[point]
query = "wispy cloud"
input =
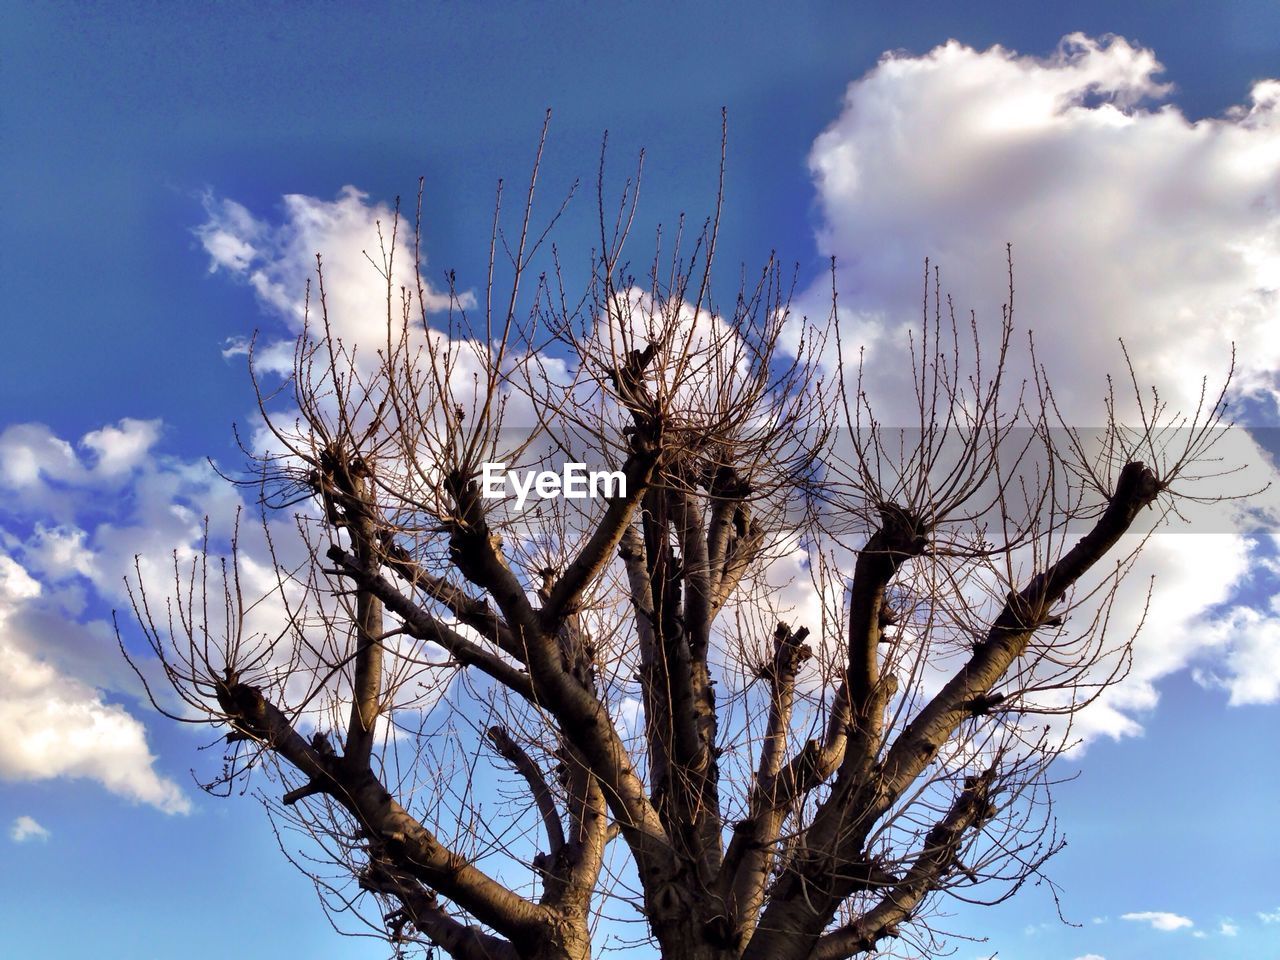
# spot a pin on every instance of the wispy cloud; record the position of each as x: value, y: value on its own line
x: 1160, y: 920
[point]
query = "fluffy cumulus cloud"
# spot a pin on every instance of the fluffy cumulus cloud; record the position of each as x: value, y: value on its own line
x: 59, y: 726
x: 1127, y: 220
x: 1160, y: 920
x: 39, y: 466
x: 1195, y: 575
x: 277, y: 258
x: 1249, y: 641
x: 74, y: 514
x: 119, y: 449
x: 26, y: 828
x: 78, y: 517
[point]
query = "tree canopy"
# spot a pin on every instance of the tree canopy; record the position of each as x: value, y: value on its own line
x: 801, y: 673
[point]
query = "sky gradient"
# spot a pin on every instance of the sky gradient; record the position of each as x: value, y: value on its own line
x: 149, y: 152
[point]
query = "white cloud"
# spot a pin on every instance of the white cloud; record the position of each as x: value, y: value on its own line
x: 122, y: 448
x: 1192, y: 575
x: 16, y: 585
x: 1127, y: 220
x: 38, y: 467
x: 1249, y: 667
x: 60, y: 726
x: 29, y: 452
x: 1092, y: 956
x: 1272, y: 917
x: 75, y: 515
x: 629, y: 716
x: 278, y: 261
x: 1160, y: 920
x: 59, y: 552
x: 26, y: 828
x: 1228, y: 929
x: 66, y: 693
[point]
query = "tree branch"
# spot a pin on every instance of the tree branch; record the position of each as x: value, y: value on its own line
x: 406, y: 842
x: 423, y: 626
x: 807, y: 896
x: 899, y: 537
x: 742, y: 548
x: 745, y: 872
x: 939, y: 857
x: 421, y: 909
x: 472, y: 611
x: 1023, y: 613
x: 595, y: 553
x: 514, y: 754
x: 477, y: 554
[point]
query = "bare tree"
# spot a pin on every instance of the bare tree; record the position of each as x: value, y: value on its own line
x: 600, y: 722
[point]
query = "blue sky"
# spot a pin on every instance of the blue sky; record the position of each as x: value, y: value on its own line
x: 134, y: 134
